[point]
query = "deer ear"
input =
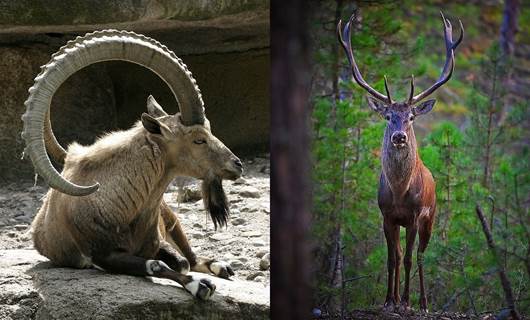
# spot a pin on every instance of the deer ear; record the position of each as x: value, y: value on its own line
x: 376, y: 105
x: 154, y: 109
x: 424, y: 107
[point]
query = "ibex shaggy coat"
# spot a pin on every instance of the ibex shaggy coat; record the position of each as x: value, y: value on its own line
x: 106, y: 208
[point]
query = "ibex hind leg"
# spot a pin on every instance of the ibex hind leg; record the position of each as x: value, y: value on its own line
x: 55, y: 244
x: 178, y: 237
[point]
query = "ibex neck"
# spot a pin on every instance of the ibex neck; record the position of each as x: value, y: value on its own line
x: 399, y: 163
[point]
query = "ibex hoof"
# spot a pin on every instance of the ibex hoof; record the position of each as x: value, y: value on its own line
x: 221, y: 269
x: 201, y: 288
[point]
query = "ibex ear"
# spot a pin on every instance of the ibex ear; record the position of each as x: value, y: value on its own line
x: 154, y: 109
x: 376, y: 105
x: 423, y: 108
x: 154, y: 126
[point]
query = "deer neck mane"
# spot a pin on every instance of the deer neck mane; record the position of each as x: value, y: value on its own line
x: 399, y: 164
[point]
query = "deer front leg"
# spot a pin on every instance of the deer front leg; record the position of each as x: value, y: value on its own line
x: 425, y: 229
x: 411, y: 238
x: 399, y: 255
x: 197, y: 264
x: 391, y: 232
x: 125, y: 263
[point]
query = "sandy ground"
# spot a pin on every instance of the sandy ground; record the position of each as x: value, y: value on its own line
x: 244, y: 243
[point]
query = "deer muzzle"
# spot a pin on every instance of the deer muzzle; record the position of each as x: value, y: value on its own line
x: 399, y: 139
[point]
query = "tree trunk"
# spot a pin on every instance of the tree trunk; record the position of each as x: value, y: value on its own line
x: 505, y: 282
x: 509, y: 26
x: 290, y: 289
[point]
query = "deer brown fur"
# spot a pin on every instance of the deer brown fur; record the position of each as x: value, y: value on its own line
x: 406, y: 194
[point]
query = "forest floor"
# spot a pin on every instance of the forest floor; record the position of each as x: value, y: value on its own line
x: 244, y: 243
x: 412, y: 315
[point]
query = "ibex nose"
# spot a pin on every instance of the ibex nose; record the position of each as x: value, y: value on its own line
x: 399, y: 137
x: 238, y: 163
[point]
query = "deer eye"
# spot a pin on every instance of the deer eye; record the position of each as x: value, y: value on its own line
x: 199, y: 141
x: 387, y: 117
x: 411, y: 118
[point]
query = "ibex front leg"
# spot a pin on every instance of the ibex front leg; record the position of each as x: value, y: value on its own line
x: 125, y: 263
x: 197, y: 264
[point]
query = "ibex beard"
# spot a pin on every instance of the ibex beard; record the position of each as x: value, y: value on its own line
x: 122, y: 224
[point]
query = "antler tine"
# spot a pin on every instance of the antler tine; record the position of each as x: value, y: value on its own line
x: 449, y: 59
x: 388, y: 91
x: 461, y: 35
x: 346, y: 45
x: 411, y: 95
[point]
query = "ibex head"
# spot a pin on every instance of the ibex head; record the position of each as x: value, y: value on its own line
x: 194, y: 150
x: 400, y: 115
x: 186, y: 135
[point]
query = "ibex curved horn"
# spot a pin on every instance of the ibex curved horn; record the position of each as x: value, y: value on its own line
x: 83, y: 51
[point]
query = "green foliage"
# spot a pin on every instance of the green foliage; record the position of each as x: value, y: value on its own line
x: 461, y: 273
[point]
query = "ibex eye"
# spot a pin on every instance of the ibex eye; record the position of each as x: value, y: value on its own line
x: 411, y: 118
x: 387, y: 117
x: 199, y: 141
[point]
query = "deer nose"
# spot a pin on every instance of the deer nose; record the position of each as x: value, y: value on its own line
x: 399, y: 137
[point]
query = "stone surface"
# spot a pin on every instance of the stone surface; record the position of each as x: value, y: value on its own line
x: 220, y: 236
x: 265, y: 262
x: 238, y: 221
x: 32, y: 289
x: 250, y: 192
x: 80, y: 12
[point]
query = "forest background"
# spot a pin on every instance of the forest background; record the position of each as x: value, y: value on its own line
x: 475, y: 142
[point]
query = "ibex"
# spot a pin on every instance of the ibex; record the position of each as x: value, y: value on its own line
x: 106, y: 208
x: 406, y: 195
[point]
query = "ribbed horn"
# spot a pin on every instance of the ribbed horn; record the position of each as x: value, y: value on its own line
x: 92, y: 48
x: 54, y: 148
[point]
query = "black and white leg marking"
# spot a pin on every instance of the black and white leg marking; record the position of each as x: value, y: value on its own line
x: 201, y: 288
x: 154, y: 267
x: 221, y: 269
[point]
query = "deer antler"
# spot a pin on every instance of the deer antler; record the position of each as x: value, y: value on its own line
x: 346, y: 33
x: 449, y: 62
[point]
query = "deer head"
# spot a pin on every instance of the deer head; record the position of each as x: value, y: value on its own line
x: 400, y: 115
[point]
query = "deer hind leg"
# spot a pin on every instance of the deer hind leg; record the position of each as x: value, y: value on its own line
x: 125, y: 263
x: 178, y: 237
x: 411, y: 238
x: 391, y: 233
x: 425, y: 228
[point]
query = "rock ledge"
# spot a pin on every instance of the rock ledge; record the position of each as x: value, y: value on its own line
x: 30, y: 288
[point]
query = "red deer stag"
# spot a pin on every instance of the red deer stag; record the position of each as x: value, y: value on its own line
x: 406, y: 195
